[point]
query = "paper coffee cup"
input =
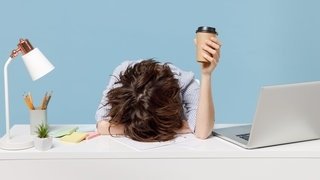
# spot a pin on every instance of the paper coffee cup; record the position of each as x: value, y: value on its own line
x: 203, y: 33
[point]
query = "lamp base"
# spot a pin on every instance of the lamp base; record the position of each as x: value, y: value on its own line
x: 17, y: 142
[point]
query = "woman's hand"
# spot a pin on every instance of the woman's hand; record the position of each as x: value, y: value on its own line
x: 103, y: 128
x: 205, y: 112
x: 211, y: 53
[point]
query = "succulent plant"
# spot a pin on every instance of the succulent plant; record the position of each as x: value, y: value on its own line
x: 43, y: 131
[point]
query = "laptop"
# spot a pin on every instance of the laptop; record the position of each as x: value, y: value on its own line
x: 284, y: 114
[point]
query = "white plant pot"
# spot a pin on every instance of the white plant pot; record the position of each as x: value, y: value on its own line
x: 43, y: 144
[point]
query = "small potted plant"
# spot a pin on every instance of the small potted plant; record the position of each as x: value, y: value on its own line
x: 42, y: 141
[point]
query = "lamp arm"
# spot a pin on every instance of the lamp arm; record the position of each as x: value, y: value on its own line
x: 6, y: 97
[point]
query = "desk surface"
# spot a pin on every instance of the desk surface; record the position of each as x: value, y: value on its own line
x: 107, y: 147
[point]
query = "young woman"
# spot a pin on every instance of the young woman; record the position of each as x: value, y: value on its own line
x: 149, y: 101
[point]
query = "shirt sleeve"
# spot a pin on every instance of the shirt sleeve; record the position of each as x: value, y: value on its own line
x: 103, y: 109
x: 190, y: 89
x: 190, y: 99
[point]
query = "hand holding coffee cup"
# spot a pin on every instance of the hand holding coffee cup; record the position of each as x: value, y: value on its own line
x: 207, y: 44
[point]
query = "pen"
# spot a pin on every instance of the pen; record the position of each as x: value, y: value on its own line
x: 30, y: 97
x: 28, y: 102
x: 43, y: 104
x: 48, y: 97
x: 31, y: 101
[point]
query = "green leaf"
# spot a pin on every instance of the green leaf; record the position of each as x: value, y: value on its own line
x: 43, y: 131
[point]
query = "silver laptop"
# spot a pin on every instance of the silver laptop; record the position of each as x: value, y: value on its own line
x: 284, y: 114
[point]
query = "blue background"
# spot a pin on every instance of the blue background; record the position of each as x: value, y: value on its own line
x: 264, y: 43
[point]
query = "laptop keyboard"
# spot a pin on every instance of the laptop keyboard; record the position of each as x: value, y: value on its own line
x: 244, y: 136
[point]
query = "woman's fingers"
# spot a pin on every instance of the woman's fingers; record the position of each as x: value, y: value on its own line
x: 209, y: 58
x: 215, y: 40
x: 209, y: 49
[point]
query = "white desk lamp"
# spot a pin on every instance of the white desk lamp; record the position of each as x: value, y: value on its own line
x: 37, y: 65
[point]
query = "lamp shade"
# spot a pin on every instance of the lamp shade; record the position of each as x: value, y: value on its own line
x: 37, y: 64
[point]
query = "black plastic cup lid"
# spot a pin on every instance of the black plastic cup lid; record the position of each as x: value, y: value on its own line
x: 207, y: 29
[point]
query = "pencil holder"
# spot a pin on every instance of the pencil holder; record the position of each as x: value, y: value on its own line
x: 37, y: 117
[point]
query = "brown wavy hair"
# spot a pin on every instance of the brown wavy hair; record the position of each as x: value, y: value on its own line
x: 146, y: 101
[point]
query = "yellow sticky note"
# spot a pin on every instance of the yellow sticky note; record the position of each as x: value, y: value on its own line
x: 75, y: 137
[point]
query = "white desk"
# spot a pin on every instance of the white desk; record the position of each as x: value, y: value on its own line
x: 104, y: 158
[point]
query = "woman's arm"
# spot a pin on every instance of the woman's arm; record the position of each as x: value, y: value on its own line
x: 205, y: 112
x: 185, y: 128
x: 103, y: 128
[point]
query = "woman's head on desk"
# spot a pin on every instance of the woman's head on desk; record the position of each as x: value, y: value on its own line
x: 146, y: 102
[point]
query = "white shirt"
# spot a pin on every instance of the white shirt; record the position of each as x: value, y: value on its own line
x: 189, y: 89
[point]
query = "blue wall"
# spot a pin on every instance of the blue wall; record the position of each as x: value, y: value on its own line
x: 264, y: 42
